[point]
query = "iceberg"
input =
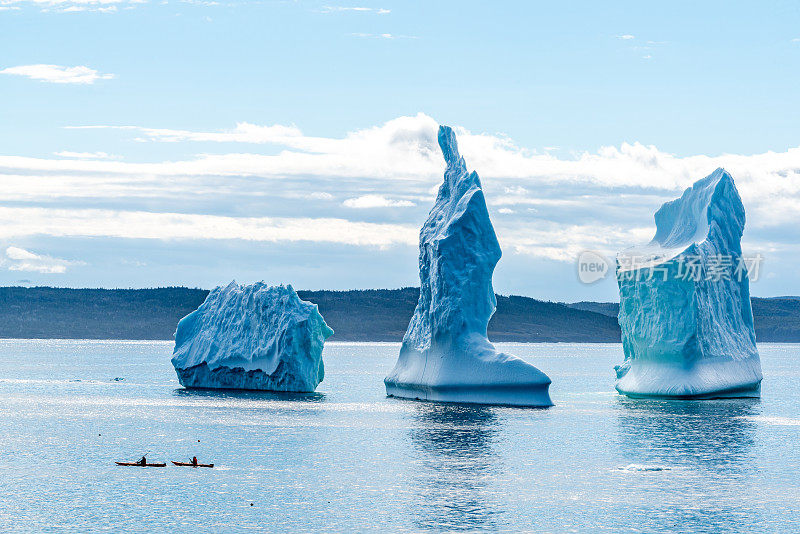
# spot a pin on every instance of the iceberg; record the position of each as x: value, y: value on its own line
x: 251, y: 337
x: 445, y: 355
x: 685, y: 315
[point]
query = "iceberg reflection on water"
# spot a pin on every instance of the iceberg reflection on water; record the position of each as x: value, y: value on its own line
x: 696, y: 444
x: 456, y: 460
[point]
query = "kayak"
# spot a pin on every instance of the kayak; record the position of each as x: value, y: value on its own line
x: 190, y: 464
x: 137, y: 464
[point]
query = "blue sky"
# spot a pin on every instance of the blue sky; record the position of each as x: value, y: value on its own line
x: 154, y: 143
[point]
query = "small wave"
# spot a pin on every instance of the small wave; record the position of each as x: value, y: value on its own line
x: 642, y: 467
x: 775, y: 420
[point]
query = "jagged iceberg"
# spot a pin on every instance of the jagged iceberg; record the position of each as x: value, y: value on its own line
x: 685, y: 315
x: 251, y: 337
x: 446, y: 355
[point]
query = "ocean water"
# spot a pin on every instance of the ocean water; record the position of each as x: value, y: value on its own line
x: 348, y: 459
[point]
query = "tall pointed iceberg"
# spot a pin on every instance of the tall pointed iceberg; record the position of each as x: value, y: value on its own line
x: 446, y: 355
x: 685, y: 315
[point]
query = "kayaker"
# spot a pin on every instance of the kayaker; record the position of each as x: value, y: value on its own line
x: 194, y: 461
x: 143, y: 461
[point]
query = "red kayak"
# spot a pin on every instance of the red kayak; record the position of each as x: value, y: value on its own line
x: 137, y: 464
x: 190, y: 464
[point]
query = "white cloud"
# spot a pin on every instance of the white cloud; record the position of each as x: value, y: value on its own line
x: 383, y: 36
x: 505, y: 211
x: 19, y: 259
x: 57, y: 73
x: 74, y: 6
x: 646, y: 49
x: 403, y: 148
x: 605, y: 198
x: 93, y: 8
x: 376, y: 201
x: 340, y: 9
x: 85, y: 155
x: 564, y: 242
x: 25, y: 222
x: 244, y: 132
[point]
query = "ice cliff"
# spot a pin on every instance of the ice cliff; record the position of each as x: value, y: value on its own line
x: 251, y: 337
x: 446, y: 355
x: 685, y: 316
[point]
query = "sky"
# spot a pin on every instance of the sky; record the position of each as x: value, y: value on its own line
x: 149, y: 143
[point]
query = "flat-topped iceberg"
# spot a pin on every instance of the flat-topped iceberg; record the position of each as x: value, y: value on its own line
x: 685, y: 316
x: 446, y: 355
x: 251, y: 337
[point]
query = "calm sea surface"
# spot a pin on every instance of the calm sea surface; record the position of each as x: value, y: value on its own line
x: 350, y: 459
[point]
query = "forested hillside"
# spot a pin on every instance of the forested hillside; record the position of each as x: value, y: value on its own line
x: 363, y: 315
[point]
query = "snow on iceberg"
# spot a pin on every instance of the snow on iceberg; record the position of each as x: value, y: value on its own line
x: 251, y: 337
x: 446, y: 355
x: 685, y: 316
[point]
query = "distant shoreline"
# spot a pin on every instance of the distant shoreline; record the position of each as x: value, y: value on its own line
x: 373, y: 315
